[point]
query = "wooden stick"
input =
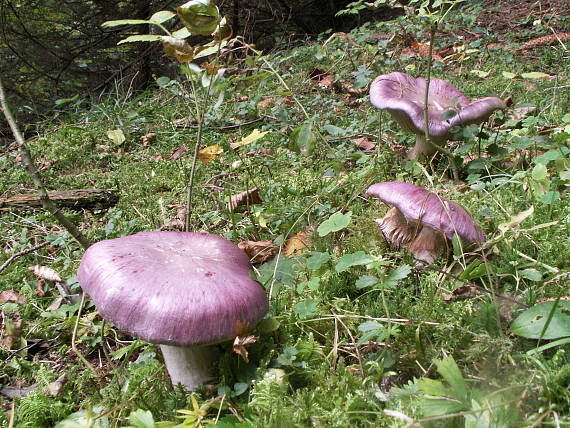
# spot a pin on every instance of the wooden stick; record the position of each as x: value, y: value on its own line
x: 22, y: 253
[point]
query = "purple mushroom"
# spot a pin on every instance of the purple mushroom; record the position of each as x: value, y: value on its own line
x: 403, y: 96
x: 181, y: 290
x: 422, y: 220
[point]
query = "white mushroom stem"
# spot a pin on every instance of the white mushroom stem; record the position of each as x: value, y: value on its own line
x: 190, y: 366
x: 427, y: 244
x: 422, y: 150
x: 396, y: 229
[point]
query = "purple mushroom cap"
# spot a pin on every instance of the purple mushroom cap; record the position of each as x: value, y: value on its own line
x: 421, y: 205
x: 173, y: 288
x: 403, y: 96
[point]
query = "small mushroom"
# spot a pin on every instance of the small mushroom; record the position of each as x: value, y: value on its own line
x: 181, y: 290
x: 421, y: 220
x: 403, y: 96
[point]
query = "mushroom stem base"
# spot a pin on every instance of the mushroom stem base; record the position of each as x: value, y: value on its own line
x: 189, y: 365
x: 422, y: 149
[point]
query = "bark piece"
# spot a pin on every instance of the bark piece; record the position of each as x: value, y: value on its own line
x: 75, y: 199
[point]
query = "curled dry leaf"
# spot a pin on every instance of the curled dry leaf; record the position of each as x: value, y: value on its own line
x: 463, y: 292
x: 298, y: 243
x: 178, y: 153
x: 247, y: 198
x: 259, y: 251
x: 364, y: 144
x: 422, y: 50
x: 11, y: 296
x: 55, y: 387
x: 240, y: 343
x: 44, y: 272
x: 40, y: 287
x: 148, y: 138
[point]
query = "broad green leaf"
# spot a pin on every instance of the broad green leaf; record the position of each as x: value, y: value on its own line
x: 181, y: 34
x: 280, y: 270
x: 209, y: 49
x: 401, y: 272
x: 306, y: 308
x: 370, y: 326
x: 516, y: 220
x: 449, y: 371
x: 550, y: 197
x: 433, y: 387
x: 333, y: 130
x: 162, y: 16
x: 254, y: 136
x: 316, y: 260
x: 109, y: 24
x: 334, y: 223
x: 141, y: 38
x: 539, y: 172
x: 141, y: 419
x: 117, y: 136
x: 302, y: 139
x: 201, y: 17
x: 531, y: 322
x: 366, y: 281
x: 268, y: 325
x: 534, y: 75
x: 312, y: 284
x: 353, y: 259
x: 532, y: 274
x: 509, y: 75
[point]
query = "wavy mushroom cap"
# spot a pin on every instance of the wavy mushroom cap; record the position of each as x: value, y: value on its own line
x: 173, y: 288
x: 421, y: 205
x: 403, y: 96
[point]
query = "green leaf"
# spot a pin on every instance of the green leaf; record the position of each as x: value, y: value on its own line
x: 353, y: 259
x: 509, y: 75
x: 141, y: 38
x: 532, y: 321
x: 302, y: 139
x: 334, y: 223
x: 550, y: 197
x: 539, y: 172
x: 162, y: 16
x: 534, y: 75
x: 312, y: 284
x: 316, y: 260
x: 268, y: 325
x: 109, y: 24
x: 280, y: 271
x: 335, y: 131
x: 181, y: 34
x: 366, y: 281
x: 306, y: 308
x: 141, y: 419
x: 481, y: 73
x: 532, y: 274
x: 117, y: 136
x: 201, y: 17
x: 449, y: 371
x: 396, y: 275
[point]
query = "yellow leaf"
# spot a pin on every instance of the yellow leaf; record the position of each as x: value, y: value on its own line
x: 210, y: 152
x: 297, y: 244
x: 255, y: 135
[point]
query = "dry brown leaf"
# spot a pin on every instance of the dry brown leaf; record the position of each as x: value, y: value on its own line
x: 519, y: 113
x: 326, y: 82
x: 266, y: 103
x: 55, y: 387
x: 209, y: 153
x: 240, y: 343
x: 247, y: 198
x: 297, y: 244
x: 552, y: 299
x: 179, y: 220
x: 44, y: 272
x: 55, y: 304
x: 549, y: 39
x: 259, y: 251
x: 263, y: 151
x: 12, y: 332
x: 422, y: 50
x: 11, y: 296
x: 40, y: 287
x: 148, y: 138
x: 462, y: 292
x: 178, y: 153
x: 364, y: 144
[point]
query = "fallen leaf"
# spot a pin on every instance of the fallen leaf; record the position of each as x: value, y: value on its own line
x: 55, y: 304
x: 422, y: 50
x: 247, y: 198
x: 266, y: 103
x: 117, y: 136
x: 326, y: 82
x: 259, y: 251
x: 263, y: 151
x: 240, y: 343
x: 297, y: 244
x: 54, y: 388
x: 11, y: 296
x: 462, y: 292
x: 40, y: 287
x: 179, y: 220
x: 178, y: 153
x: 364, y: 143
x: 209, y: 153
x: 12, y: 332
x: 44, y: 272
x: 520, y: 112
x: 148, y: 138
x: 255, y: 135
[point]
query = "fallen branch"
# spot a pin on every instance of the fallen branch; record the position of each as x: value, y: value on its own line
x: 75, y: 199
x: 22, y: 253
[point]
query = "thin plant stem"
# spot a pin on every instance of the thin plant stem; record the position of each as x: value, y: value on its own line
x: 190, y: 188
x: 74, y: 335
x: 34, y: 174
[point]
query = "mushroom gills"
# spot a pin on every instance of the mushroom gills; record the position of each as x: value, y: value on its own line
x: 427, y: 244
x: 397, y: 231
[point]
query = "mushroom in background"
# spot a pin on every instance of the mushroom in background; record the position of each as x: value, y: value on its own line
x: 181, y: 290
x: 421, y: 220
x: 403, y: 96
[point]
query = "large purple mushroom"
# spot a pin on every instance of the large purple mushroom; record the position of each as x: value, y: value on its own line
x: 181, y: 290
x: 403, y: 96
x: 422, y: 220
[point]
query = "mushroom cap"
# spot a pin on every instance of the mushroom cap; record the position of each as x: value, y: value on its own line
x: 403, y: 96
x: 420, y: 205
x: 173, y: 288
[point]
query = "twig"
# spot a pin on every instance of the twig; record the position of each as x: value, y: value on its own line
x: 394, y: 320
x: 22, y: 253
x: 33, y: 172
x: 223, y: 127
x: 74, y: 335
x: 551, y: 280
x: 353, y: 341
